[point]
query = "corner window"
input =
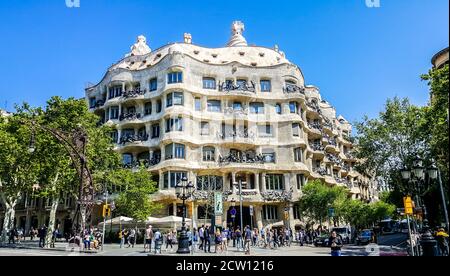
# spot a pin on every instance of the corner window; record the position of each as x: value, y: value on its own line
x: 274, y: 182
x: 154, y: 84
x: 175, y: 151
x: 209, y: 83
x: 175, y: 77
x: 171, y: 179
x: 296, y: 130
x: 293, y: 107
x: 174, y: 124
x: 266, y: 86
x: 175, y: 98
x: 298, y: 155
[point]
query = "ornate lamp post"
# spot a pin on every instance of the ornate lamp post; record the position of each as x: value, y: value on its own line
x: 184, y: 191
x: 417, y: 178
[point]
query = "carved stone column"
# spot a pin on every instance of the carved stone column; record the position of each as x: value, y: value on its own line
x: 258, y: 216
x: 257, y: 187
x: 263, y: 183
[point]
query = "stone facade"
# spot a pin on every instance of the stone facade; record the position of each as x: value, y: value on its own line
x: 238, y: 114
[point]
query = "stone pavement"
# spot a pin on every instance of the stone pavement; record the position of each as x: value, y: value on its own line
x: 31, y: 249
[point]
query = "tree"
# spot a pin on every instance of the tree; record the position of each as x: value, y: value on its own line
x: 18, y: 167
x: 318, y: 198
x: 436, y: 126
x: 136, y: 187
x: 391, y: 142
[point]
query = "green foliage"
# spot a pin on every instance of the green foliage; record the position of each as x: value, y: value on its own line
x: 391, y: 142
x: 436, y: 126
x: 318, y: 198
x: 135, y: 197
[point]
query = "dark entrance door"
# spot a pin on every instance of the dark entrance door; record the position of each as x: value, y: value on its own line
x: 246, y: 218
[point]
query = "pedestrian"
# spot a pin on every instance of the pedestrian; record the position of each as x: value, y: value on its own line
x: 169, y: 240
x: 189, y: 235
x: 238, y: 234
x: 225, y: 239
x: 54, y: 237
x: 122, y: 238
x: 442, y: 239
x: 207, y: 240
x: 158, y: 241
x: 195, y: 240
x: 248, y: 239
x: 218, y: 241
x: 131, y: 238
x: 42, y: 235
x: 201, y: 233
x: 301, y: 236
x: 148, y: 239
x: 335, y: 243
x: 12, y: 236
x: 87, y: 240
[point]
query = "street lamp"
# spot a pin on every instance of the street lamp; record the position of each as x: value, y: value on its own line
x: 416, y: 176
x: 239, y: 185
x: 184, y: 191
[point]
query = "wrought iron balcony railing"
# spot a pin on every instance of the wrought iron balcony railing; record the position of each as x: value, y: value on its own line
x: 244, y: 159
x: 133, y: 93
x: 232, y: 111
x: 238, y: 87
x: 133, y: 138
x: 314, y: 106
x: 317, y: 126
x: 316, y: 147
x: 292, y: 89
x: 321, y: 171
x: 130, y: 116
x: 236, y: 134
x: 143, y: 163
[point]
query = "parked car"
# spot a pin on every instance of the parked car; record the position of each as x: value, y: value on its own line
x: 365, y: 237
x: 345, y: 233
x: 321, y: 241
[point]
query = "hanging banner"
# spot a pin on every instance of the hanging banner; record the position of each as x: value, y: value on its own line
x: 218, y: 204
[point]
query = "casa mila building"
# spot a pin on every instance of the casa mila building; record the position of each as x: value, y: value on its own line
x: 226, y: 116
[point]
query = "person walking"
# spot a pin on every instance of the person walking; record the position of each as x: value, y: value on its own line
x: 158, y: 242
x: 12, y: 236
x: 169, y: 241
x: 225, y: 239
x: 201, y: 233
x: 248, y: 239
x: 238, y: 234
x: 218, y: 242
x: 122, y: 238
x: 195, y: 240
x: 42, y: 234
x: 131, y: 238
x: 335, y: 242
x: 148, y: 239
x: 207, y: 240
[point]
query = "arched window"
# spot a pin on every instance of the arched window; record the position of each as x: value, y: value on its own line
x: 174, y: 77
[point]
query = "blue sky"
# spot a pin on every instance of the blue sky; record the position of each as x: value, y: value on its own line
x: 357, y: 56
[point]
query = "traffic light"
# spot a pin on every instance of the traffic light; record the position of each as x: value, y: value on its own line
x: 106, y: 210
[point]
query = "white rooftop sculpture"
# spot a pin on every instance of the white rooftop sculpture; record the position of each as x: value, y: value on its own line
x: 237, y: 39
x: 140, y: 47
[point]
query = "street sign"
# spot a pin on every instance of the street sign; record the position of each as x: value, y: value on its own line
x: 251, y: 210
x: 233, y: 213
x: 218, y: 204
x: 409, y: 205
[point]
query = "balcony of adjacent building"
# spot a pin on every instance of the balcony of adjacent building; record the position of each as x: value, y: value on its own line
x: 317, y: 148
x: 292, y: 89
x: 330, y: 144
x: 313, y: 107
x: 133, y: 136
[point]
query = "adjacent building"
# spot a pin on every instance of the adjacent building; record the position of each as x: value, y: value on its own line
x: 441, y: 58
x: 238, y: 114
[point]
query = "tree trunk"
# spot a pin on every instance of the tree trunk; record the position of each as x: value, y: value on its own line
x: 10, y: 214
x: 51, y: 223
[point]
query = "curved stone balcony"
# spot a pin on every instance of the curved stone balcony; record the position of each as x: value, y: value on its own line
x: 243, y: 88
